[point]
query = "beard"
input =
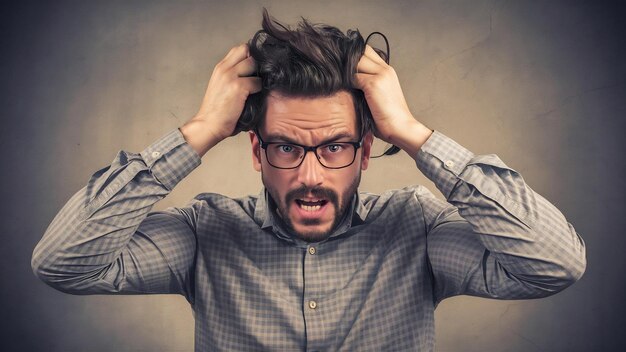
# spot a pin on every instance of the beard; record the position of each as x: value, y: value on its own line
x: 318, y: 192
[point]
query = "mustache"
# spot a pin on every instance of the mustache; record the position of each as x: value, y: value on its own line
x: 317, y: 192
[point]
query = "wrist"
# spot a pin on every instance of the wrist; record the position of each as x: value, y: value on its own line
x: 199, y: 136
x: 411, y: 136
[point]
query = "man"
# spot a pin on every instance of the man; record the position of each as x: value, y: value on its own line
x: 309, y: 263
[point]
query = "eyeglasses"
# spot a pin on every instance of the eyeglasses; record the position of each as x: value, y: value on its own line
x: 333, y: 155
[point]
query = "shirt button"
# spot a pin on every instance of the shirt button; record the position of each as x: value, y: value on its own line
x: 449, y: 163
x: 312, y: 304
x: 155, y: 154
x: 312, y: 250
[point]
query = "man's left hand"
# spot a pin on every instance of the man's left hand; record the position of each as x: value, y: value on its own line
x: 384, y: 96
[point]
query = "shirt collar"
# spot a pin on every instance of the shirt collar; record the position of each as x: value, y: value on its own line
x: 265, y: 215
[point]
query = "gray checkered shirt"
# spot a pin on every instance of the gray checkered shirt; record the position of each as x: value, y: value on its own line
x: 372, y: 286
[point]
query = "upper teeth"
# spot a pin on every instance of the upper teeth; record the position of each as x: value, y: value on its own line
x: 310, y: 207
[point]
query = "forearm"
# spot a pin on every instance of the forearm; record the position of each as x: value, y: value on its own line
x: 524, y: 235
x: 410, y: 136
x: 198, y: 134
x: 86, y: 239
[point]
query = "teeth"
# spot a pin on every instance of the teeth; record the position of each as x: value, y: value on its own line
x: 310, y: 207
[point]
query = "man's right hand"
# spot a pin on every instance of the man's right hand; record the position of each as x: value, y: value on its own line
x: 223, y: 102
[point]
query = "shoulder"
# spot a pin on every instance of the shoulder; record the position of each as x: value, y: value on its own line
x: 398, y: 195
x: 215, y: 202
x: 398, y: 201
x: 220, y: 201
x: 411, y: 202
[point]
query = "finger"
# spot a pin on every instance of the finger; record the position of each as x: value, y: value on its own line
x: 251, y: 84
x: 231, y: 52
x: 367, y: 65
x: 235, y: 55
x: 371, y: 53
x: 361, y: 79
x: 246, y: 67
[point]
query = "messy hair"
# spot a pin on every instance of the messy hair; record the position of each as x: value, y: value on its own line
x: 312, y: 60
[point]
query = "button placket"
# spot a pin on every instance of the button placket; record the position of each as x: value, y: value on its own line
x: 313, y: 282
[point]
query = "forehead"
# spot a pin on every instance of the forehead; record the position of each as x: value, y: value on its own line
x: 310, y: 119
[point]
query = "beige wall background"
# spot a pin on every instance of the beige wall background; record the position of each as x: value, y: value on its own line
x: 539, y: 83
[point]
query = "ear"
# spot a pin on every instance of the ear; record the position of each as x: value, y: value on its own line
x: 256, y: 151
x: 368, y: 139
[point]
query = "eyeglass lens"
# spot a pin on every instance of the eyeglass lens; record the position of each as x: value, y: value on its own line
x: 335, y: 155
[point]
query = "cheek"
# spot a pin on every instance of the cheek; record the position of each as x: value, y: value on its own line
x: 346, y: 180
x: 274, y: 179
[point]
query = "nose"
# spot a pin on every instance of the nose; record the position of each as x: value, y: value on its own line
x: 310, y: 172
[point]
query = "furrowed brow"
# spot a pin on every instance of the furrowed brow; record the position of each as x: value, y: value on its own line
x: 273, y: 138
x: 338, y: 137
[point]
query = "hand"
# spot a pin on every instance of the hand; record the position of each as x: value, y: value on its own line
x: 393, y: 120
x: 223, y: 101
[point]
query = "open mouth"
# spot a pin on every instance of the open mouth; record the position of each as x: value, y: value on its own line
x: 311, y: 204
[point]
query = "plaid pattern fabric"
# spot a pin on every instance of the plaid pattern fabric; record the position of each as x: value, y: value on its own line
x: 372, y: 286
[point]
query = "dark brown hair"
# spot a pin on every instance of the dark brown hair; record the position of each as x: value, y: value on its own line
x: 312, y: 60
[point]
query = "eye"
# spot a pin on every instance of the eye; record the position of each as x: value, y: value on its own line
x: 334, y: 148
x: 286, y: 148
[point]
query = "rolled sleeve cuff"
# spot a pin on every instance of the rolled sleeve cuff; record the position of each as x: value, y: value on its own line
x: 442, y: 160
x: 170, y: 159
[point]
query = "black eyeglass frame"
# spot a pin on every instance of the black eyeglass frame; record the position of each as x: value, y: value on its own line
x: 307, y: 149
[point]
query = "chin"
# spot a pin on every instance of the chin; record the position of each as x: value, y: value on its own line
x: 312, y: 235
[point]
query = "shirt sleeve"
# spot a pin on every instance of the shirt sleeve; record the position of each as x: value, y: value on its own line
x: 494, y: 237
x: 106, y: 240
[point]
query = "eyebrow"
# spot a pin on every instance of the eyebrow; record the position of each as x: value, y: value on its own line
x: 274, y: 138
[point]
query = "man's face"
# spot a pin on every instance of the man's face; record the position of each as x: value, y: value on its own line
x: 311, y: 199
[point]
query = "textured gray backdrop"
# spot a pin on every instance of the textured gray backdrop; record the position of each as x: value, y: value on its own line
x: 540, y: 83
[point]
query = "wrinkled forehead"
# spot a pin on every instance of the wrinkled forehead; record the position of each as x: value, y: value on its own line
x: 310, y: 119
